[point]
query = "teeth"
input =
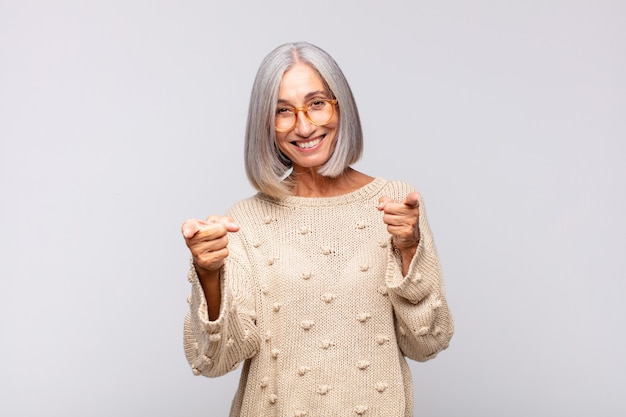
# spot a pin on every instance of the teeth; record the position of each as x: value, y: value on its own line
x: 309, y: 144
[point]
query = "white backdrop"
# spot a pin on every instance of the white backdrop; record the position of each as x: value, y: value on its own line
x: 120, y: 119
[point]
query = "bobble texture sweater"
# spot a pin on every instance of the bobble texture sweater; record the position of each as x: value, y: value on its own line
x: 315, y: 304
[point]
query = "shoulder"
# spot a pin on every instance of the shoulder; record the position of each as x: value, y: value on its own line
x: 250, y: 204
x: 397, y: 189
x: 252, y: 209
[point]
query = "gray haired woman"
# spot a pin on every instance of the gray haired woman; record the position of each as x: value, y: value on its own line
x: 323, y: 282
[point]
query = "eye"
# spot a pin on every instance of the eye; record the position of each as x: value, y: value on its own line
x: 317, y: 104
x: 284, y: 111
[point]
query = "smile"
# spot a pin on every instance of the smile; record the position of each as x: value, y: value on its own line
x: 308, y: 144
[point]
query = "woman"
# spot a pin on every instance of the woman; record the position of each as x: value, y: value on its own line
x: 326, y: 279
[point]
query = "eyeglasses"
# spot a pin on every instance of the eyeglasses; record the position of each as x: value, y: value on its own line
x: 319, y: 112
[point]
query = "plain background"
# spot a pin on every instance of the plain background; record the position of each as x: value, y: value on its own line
x: 121, y: 119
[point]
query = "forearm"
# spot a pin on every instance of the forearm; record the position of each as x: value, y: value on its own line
x: 406, y: 256
x: 425, y: 324
x: 214, y: 345
x: 212, y: 288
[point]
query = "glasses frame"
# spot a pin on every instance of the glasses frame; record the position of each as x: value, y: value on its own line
x: 331, y: 101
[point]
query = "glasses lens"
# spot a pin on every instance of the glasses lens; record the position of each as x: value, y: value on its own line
x: 320, y: 112
x: 284, y: 119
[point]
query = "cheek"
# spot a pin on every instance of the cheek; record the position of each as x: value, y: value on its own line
x: 334, y: 126
x: 281, y: 143
x: 280, y: 139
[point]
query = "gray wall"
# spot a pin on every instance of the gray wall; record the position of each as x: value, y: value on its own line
x: 120, y: 119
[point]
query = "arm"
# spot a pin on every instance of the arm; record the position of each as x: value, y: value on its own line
x: 416, y: 290
x: 220, y: 330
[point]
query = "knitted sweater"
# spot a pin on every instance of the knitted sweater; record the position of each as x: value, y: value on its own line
x: 315, y: 305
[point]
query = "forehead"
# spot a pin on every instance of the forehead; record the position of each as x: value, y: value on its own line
x: 300, y: 81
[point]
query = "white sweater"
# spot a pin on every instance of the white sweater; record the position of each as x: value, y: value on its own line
x: 314, y: 302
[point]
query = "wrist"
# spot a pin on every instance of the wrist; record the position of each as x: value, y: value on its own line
x: 404, y: 251
x: 205, y: 274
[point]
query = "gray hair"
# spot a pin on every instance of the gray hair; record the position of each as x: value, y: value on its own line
x: 266, y: 167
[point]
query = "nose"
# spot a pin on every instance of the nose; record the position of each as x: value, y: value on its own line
x: 303, y: 127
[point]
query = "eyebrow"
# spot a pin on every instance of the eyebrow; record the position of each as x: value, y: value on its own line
x: 308, y: 96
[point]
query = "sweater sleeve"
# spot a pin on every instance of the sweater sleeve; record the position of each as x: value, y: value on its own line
x: 214, y: 348
x: 424, y: 324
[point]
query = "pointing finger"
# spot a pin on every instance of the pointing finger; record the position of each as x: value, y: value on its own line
x: 412, y: 200
x: 226, y: 221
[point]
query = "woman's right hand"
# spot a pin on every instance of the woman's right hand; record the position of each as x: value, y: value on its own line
x: 208, y: 241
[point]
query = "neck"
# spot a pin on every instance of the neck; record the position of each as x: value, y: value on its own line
x: 308, y: 183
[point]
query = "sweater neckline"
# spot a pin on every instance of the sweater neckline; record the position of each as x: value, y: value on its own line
x: 364, y: 193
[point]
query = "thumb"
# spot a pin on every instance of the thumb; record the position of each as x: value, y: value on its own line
x: 412, y: 200
x: 382, y: 202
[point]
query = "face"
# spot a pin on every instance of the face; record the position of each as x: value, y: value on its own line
x: 306, y: 145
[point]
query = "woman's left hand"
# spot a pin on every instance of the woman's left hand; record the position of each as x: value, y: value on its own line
x: 402, y: 220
